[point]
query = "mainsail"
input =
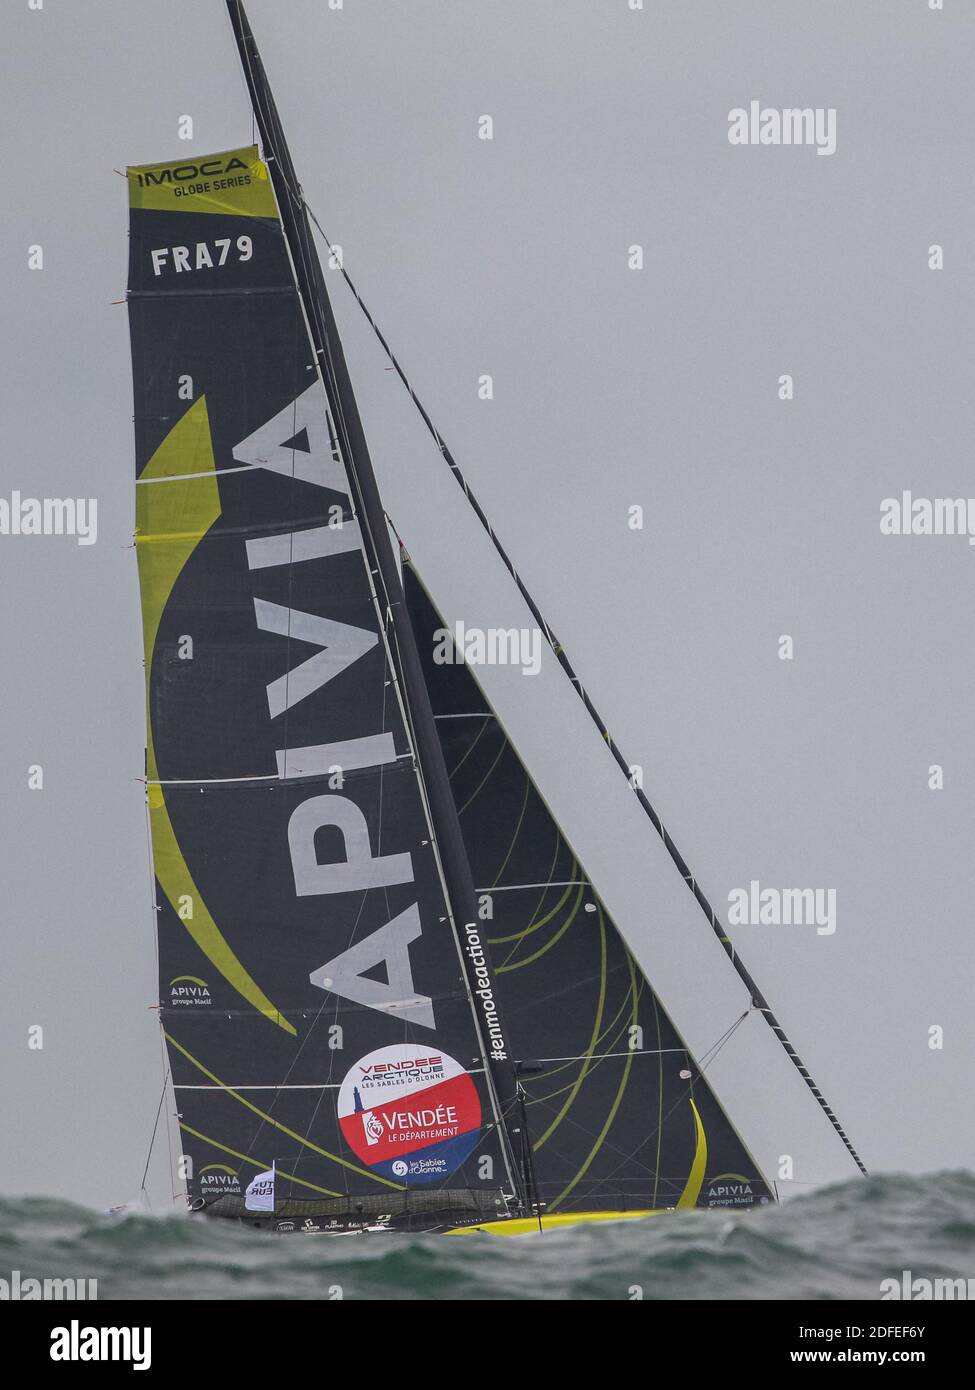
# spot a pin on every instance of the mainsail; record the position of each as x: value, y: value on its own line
x: 315, y: 996
x: 618, y: 1114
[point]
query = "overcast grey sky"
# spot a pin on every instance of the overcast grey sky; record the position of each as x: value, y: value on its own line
x: 612, y: 387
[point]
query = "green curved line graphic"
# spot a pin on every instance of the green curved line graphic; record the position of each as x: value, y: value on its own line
x: 695, y: 1181
x: 524, y: 804
x: 534, y: 926
x: 171, y: 519
x: 486, y: 723
x: 599, y: 1057
x: 584, y: 1069
x: 193, y: 979
x: 518, y: 964
x: 258, y: 1163
x: 480, y: 786
x: 542, y: 895
x: 549, y: 876
x: 269, y: 1119
x: 597, y: 1061
x: 515, y: 833
x: 624, y: 1081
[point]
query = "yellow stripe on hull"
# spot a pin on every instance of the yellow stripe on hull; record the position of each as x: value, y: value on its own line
x: 525, y: 1225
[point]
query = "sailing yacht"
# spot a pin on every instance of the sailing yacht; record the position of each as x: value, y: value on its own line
x: 391, y: 997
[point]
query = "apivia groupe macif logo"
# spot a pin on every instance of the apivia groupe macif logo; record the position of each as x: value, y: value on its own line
x: 189, y: 991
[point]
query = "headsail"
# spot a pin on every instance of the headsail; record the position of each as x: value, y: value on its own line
x: 619, y: 1115
x: 719, y: 931
x: 313, y: 989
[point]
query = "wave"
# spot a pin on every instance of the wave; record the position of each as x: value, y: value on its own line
x: 838, y: 1242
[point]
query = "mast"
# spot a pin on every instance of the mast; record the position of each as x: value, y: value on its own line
x: 458, y: 881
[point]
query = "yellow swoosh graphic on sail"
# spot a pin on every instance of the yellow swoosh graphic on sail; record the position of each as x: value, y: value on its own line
x: 695, y: 1181
x: 172, y: 517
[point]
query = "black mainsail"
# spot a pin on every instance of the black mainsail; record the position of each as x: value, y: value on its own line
x: 320, y: 1012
